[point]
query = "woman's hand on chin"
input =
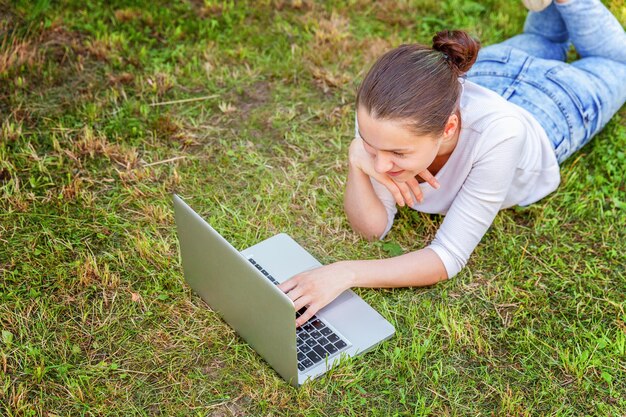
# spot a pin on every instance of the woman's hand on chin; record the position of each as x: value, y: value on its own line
x: 401, y: 191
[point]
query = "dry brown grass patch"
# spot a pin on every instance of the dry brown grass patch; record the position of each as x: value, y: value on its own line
x: 95, y: 144
x: 15, y: 52
x: 204, y: 10
x: 129, y: 14
x: 57, y: 41
x: 166, y: 127
x: 98, y: 49
x: 332, y: 31
x: 123, y: 78
x: 230, y: 409
x: 395, y: 13
x: 17, y: 202
x: 372, y: 48
x: 331, y: 51
x: 90, y: 272
x: 293, y: 4
x: 72, y: 190
x: 11, y: 130
x: 158, y: 83
x: 160, y: 340
x: 152, y: 213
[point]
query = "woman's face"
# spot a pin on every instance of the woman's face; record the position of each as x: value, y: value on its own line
x: 396, y: 151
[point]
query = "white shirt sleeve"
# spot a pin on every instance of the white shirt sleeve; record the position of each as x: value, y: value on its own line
x: 482, y: 194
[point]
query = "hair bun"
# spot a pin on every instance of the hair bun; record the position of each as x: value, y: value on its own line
x: 459, y: 49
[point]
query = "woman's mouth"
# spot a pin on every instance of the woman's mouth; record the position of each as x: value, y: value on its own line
x: 394, y: 173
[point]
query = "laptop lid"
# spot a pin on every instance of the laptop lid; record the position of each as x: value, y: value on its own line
x: 256, y: 309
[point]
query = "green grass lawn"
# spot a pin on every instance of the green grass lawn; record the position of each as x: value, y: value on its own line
x: 246, y: 109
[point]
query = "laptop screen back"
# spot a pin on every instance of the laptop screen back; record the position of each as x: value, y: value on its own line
x: 262, y: 314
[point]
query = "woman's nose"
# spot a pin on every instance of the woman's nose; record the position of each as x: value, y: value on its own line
x: 383, y: 163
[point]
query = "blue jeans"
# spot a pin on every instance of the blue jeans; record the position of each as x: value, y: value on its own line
x: 573, y: 101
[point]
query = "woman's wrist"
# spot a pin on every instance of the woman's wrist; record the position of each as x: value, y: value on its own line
x: 349, y: 274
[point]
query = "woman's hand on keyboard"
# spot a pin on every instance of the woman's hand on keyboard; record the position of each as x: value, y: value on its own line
x: 317, y: 287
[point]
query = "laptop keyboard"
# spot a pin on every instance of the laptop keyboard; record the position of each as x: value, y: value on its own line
x: 315, y: 341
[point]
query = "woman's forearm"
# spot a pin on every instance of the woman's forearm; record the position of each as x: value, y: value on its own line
x: 414, y: 269
x: 364, y: 210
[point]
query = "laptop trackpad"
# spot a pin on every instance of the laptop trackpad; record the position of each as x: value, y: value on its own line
x: 356, y: 320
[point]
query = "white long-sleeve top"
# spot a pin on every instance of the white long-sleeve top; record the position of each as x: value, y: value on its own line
x: 503, y: 158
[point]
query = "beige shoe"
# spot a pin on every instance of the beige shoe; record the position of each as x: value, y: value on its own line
x: 536, y: 5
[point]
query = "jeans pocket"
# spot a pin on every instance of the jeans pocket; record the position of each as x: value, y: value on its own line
x: 496, y: 53
x: 549, y: 117
x: 577, y: 87
x: 494, y: 70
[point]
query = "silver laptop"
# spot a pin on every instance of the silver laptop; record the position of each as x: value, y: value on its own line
x: 241, y: 287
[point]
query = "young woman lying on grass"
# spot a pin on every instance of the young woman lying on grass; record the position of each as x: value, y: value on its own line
x: 453, y: 131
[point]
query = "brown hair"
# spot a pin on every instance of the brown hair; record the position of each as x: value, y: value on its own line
x: 418, y: 84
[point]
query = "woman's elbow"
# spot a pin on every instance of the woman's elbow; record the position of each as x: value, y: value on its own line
x: 371, y: 237
x: 370, y: 233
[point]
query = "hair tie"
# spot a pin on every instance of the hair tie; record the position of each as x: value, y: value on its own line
x: 445, y: 57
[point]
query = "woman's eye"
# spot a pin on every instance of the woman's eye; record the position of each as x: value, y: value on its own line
x: 401, y: 155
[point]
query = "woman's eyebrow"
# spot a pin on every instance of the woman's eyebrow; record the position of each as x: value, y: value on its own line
x: 386, y: 150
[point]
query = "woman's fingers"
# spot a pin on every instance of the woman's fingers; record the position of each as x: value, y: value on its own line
x: 401, y: 191
x: 310, y: 312
x: 414, y: 186
x: 299, y: 298
x: 288, y: 285
x: 406, y: 193
x: 429, y: 178
x: 302, y: 301
x: 295, y: 294
x: 316, y: 288
x: 393, y: 188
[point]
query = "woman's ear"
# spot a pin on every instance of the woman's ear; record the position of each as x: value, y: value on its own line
x: 452, y: 125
